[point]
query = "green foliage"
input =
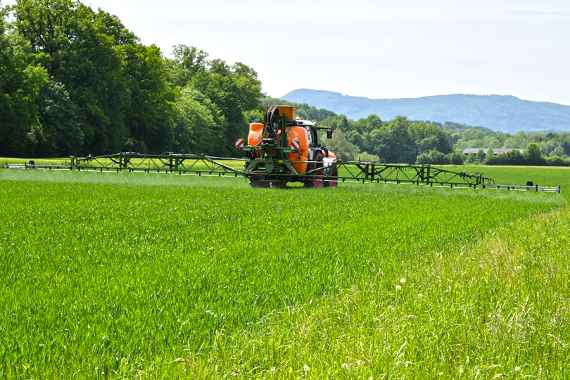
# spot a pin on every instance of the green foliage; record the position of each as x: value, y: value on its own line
x: 430, y: 137
x: 436, y: 157
x: 394, y: 143
x: 188, y: 62
x: 198, y: 123
x: 234, y: 89
x: 402, y: 140
x: 363, y: 156
x: 77, y: 81
x: 557, y: 161
x: 533, y: 155
x: 149, y: 116
x: 399, y: 140
x: 21, y: 82
x: 59, y: 127
x: 342, y: 147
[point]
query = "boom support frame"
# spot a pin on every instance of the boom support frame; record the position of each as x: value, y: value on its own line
x: 348, y: 171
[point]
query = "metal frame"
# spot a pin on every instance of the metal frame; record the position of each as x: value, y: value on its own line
x: 160, y: 163
x: 349, y: 171
x: 407, y: 173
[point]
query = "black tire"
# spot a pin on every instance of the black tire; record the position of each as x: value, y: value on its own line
x: 318, y: 172
x: 331, y: 171
x: 278, y: 184
x: 259, y: 182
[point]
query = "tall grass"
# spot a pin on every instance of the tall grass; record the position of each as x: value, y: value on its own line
x: 495, y: 309
x: 123, y: 278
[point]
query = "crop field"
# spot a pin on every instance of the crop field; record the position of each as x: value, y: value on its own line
x: 149, y: 275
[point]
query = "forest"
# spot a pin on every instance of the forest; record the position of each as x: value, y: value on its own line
x: 76, y: 81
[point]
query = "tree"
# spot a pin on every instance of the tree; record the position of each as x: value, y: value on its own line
x: 117, y: 88
x: 71, y: 42
x: 481, y: 155
x: 456, y: 158
x: 188, y: 62
x: 21, y: 82
x: 149, y: 112
x: 342, y: 147
x: 490, y: 154
x: 438, y: 158
x: 361, y: 132
x: 433, y: 157
x: 59, y: 129
x: 558, y: 151
x: 533, y: 155
x: 430, y: 136
x: 198, y: 124
x: 234, y: 89
x: 393, y: 142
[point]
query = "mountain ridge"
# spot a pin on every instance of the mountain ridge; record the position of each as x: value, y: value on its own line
x: 504, y: 113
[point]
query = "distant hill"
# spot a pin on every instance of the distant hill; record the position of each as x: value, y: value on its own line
x: 499, y: 113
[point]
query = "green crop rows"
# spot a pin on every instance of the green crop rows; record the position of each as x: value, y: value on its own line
x: 137, y: 274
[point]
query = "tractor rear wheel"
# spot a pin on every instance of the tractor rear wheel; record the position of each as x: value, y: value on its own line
x: 317, y: 172
x: 331, y: 171
x: 264, y: 183
x: 280, y: 184
x: 258, y: 182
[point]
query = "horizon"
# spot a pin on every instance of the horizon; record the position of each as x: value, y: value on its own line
x: 426, y: 96
x: 373, y: 49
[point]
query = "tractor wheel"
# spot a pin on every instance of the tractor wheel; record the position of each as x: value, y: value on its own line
x: 259, y: 182
x: 332, y: 171
x: 265, y: 183
x: 278, y: 184
x: 317, y: 174
x: 308, y: 184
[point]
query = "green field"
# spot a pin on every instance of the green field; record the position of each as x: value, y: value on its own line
x: 151, y: 275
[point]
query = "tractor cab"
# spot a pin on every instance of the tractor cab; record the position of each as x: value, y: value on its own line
x: 314, y: 132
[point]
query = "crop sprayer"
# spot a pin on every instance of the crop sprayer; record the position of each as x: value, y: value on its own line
x: 280, y: 150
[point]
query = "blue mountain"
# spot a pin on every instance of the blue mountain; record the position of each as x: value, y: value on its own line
x: 499, y: 113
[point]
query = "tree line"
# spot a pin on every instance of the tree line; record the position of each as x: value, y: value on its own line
x: 406, y: 141
x: 76, y: 81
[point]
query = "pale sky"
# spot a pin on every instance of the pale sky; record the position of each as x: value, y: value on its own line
x: 379, y: 49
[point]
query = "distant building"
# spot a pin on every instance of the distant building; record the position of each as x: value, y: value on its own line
x: 496, y: 151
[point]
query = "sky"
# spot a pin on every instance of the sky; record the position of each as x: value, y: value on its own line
x: 373, y: 48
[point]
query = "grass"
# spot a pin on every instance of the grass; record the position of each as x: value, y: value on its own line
x: 168, y: 276
x: 544, y: 176
x: 496, y: 309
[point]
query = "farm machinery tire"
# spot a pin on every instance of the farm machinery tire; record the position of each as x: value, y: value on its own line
x: 331, y: 171
x: 317, y: 172
x: 264, y: 183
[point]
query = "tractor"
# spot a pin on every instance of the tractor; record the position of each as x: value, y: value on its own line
x: 285, y: 149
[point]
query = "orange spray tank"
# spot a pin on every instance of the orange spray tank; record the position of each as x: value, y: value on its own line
x: 298, y: 139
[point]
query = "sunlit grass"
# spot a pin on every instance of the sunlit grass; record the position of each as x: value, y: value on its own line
x: 495, y: 309
x: 106, y: 273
